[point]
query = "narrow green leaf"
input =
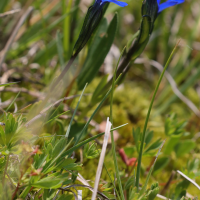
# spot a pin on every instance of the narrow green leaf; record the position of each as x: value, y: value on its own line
x: 150, y: 172
x: 112, y: 136
x: 95, y: 59
x: 148, y: 115
x: 154, y: 145
x: 69, y: 127
x: 13, y: 101
x: 3, y: 4
x: 56, y: 117
x: 60, y: 50
x: 77, y: 146
x: 6, y: 84
x: 95, y: 97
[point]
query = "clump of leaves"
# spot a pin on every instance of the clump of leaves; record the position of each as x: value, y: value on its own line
x: 26, y: 167
x: 91, y: 151
x: 149, y: 194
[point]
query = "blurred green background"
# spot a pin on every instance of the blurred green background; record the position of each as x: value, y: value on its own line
x: 44, y: 44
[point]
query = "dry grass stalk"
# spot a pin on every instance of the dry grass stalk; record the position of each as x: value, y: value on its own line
x: 43, y: 112
x: 101, y: 160
x: 172, y: 82
x: 164, y: 190
x: 189, y: 179
x: 13, y: 35
x: 11, y: 12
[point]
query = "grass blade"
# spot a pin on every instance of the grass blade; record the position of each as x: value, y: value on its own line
x: 150, y: 171
x: 56, y: 116
x: 112, y: 136
x: 101, y: 160
x: 69, y: 127
x: 189, y: 179
x: 100, y: 104
x: 69, y: 151
x: 147, y: 118
x: 6, y: 84
x: 67, y: 28
x: 12, y: 102
x: 60, y: 49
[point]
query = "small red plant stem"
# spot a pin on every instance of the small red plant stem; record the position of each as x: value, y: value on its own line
x: 15, y: 192
x: 132, y: 168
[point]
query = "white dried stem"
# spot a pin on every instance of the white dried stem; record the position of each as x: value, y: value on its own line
x: 11, y: 12
x: 101, y: 160
x: 13, y: 35
x: 189, y: 179
x: 173, y: 85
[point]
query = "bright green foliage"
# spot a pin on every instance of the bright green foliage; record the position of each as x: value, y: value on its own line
x: 173, y: 127
x: 161, y: 163
x: 153, y: 191
x: 39, y: 159
x: 11, y: 133
x: 150, y: 146
x: 130, y: 182
x: 175, y: 130
x: 96, y: 57
x: 91, y: 151
x: 149, y: 194
x: 96, y: 97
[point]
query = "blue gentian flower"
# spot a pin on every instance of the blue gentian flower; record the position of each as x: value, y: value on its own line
x: 92, y: 19
x: 167, y: 4
x: 119, y: 3
x: 153, y: 8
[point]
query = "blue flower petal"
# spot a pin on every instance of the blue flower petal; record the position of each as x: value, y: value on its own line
x: 119, y: 3
x: 158, y: 2
x: 168, y: 4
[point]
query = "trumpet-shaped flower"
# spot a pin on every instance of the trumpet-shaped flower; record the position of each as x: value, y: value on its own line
x: 119, y: 3
x: 152, y: 8
x: 167, y: 4
x: 92, y: 19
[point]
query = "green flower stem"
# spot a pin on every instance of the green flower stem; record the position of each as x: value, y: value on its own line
x: 147, y: 118
x: 112, y: 136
